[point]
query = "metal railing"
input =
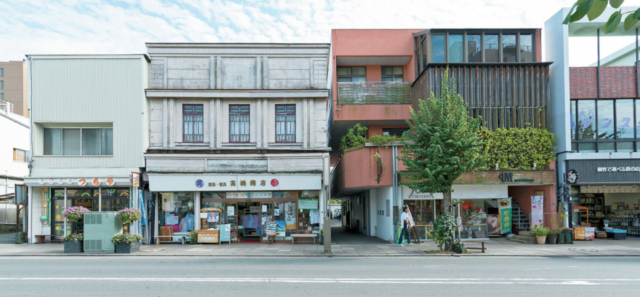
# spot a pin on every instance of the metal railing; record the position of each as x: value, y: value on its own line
x: 6, y: 107
x: 374, y: 93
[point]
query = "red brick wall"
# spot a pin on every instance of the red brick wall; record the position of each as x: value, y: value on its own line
x: 615, y: 82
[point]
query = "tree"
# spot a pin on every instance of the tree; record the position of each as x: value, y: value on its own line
x: 442, y: 143
x: 594, y: 8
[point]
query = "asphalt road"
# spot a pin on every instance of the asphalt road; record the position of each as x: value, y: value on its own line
x: 425, y: 276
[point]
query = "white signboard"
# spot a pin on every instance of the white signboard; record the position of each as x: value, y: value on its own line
x: 537, y: 214
x: 237, y: 166
x: 233, y: 183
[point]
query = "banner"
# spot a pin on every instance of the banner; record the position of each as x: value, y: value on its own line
x: 504, y: 205
x: 537, y: 215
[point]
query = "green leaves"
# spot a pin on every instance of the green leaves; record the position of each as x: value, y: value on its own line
x: 613, y: 22
x: 567, y: 19
x: 355, y: 137
x: 597, y: 9
x: 616, y: 3
x: 517, y: 148
x: 630, y: 21
x: 582, y: 10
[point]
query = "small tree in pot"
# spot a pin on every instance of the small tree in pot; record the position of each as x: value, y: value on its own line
x: 73, y: 243
x: 128, y: 216
x: 193, y: 237
x: 540, y: 233
x: 127, y: 243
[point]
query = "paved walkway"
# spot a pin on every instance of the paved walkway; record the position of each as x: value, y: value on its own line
x: 8, y: 238
x: 497, y: 247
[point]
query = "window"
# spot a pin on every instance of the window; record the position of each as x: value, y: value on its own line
x: 438, y: 48
x: 352, y: 74
x: 526, y: 48
x: 607, y: 125
x: 1, y: 84
x: 192, y: 123
x: 19, y: 155
x: 474, y: 47
x: 509, y: 50
x: 1, y: 96
x: 393, y: 131
x: 78, y: 141
x: 491, y: 48
x: 456, y: 48
x: 286, y: 123
x: 392, y: 73
x: 1, y: 72
x: 239, y: 118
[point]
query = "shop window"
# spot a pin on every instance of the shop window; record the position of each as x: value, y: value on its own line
x: 474, y: 48
x: 239, y: 119
x: 78, y: 141
x: 392, y: 73
x: 176, y: 216
x: 286, y: 123
x: 352, y: 74
x: 192, y: 123
x: 114, y: 199
x: 19, y: 155
x: 606, y: 125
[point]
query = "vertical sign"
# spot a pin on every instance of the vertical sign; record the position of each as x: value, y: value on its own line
x: 537, y: 204
x: 504, y: 205
x: 135, y: 179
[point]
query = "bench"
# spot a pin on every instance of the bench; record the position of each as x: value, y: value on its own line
x: 294, y: 236
x: 41, y: 238
x: 184, y: 239
x: 482, y: 241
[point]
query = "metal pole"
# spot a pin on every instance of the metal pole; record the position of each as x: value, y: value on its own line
x: 395, y: 190
x: 599, y: 62
x: 637, y: 76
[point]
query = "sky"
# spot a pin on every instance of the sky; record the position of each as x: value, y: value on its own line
x: 123, y: 26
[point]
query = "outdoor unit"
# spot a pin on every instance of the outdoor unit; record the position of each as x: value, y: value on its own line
x: 99, y: 227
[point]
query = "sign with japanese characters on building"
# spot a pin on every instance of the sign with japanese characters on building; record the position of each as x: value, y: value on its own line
x: 619, y: 169
x: 232, y: 183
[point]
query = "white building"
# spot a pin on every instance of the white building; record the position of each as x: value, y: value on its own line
x: 89, y: 117
x: 14, y: 149
x: 238, y: 129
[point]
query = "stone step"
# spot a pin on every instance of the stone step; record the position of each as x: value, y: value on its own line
x: 523, y: 241
x: 526, y: 233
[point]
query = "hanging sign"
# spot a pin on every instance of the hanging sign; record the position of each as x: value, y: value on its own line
x: 504, y: 206
x: 308, y: 204
x: 537, y: 215
x: 135, y: 179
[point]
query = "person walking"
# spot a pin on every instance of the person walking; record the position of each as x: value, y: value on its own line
x: 406, y: 225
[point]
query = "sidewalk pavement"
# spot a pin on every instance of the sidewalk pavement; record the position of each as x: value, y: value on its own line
x: 497, y: 247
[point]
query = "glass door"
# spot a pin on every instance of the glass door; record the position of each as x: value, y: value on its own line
x: 230, y: 213
x: 266, y: 216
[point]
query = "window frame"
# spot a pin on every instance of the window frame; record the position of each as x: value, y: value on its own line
x: 351, y: 75
x: 393, y: 76
x: 576, y: 141
x: 193, y: 114
x: 1, y: 84
x: 80, y: 140
x: 26, y: 155
x: 294, y: 122
x: 240, y: 113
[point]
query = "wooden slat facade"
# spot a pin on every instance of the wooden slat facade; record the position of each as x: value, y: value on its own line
x: 504, y: 94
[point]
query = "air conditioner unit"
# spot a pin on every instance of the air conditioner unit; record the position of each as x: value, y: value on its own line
x: 99, y: 227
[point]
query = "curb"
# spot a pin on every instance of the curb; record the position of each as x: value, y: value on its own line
x: 317, y: 256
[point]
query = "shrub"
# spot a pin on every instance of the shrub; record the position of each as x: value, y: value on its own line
x: 126, y: 238
x: 443, y: 231
x: 517, y: 148
x: 193, y: 236
x: 129, y: 215
x: 355, y: 137
x: 540, y: 231
x: 385, y: 140
x: 73, y: 237
x: 459, y: 247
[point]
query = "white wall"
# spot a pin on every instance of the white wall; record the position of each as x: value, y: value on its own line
x: 384, y: 222
x: 13, y: 134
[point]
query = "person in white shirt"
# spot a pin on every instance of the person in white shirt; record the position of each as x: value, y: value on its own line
x: 405, y: 224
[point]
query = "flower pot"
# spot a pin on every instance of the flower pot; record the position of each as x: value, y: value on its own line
x: 541, y: 239
x: 128, y: 248
x: 552, y: 239
x: 73, y: 247
x: 568, y: 237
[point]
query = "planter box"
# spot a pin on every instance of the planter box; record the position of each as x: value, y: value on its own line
x: 128, y: 248
x: 73, y: 247
x: 617, y: 234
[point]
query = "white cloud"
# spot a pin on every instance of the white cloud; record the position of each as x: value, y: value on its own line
x: 122, y: 26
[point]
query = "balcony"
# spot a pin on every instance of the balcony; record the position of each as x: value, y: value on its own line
x: 359, y: 93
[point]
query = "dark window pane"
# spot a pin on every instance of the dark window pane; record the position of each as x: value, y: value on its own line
x: 574, y: 146
x: 637, y: 121
x: 424, y: 52
x: 526, y: 48
x: 474, y: 47
x: 605, y: 119
x: 107, y: 141
x: 71, y: 142
x: 286, y: 123
x: 509, y: 52
x: 624, y: 118
x: 572, y: 119
x: 393, y: 131
x: 456, y: 48
x: 491, y: 48
x: 358, y: 71
x: 587, y: 147
x: 625, y: 146
x: 90, y: 142
x: 437, y: 48
x: 239, y: 118
x: 192, y: 123
x: 53, y: 141
x: 344, y: 71
x: 387, y: 79
x: 586, y: 119
x: 606, y: 147
x: 344, y: 79
x: 358, y: 79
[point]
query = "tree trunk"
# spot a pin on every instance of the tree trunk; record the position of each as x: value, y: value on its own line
x: 446, y: 195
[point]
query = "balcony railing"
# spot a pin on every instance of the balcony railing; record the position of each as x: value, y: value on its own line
x: 6, y: 107
x: 374, y: 93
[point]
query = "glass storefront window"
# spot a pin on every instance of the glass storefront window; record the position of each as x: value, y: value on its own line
x: 605, y: 119
x: 114, y: 199
x: 586, y: 119
x: 624, y: 118
x: 176, y: 215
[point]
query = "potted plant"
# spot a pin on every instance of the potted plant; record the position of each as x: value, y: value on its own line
x: 560, y: 235
x: 193, y: 237
x: 75, y: 214
x: 73, y: 243
x: 540, y: 233
x: 127, y: 243
x: 552, y: 236
x: 128, y: 216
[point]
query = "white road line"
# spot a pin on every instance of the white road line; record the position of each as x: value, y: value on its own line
x: 471, y: 281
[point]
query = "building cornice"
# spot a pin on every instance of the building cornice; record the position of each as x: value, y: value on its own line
x: 255, y: 93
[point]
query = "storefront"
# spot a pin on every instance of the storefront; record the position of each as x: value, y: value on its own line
x: 608, y: 191
x: 247, y: 206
